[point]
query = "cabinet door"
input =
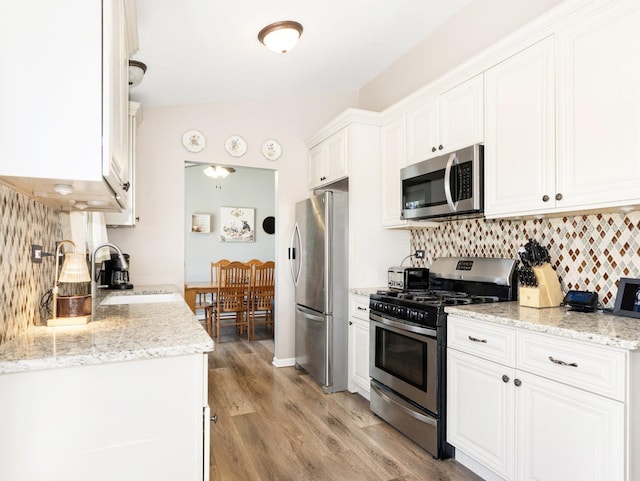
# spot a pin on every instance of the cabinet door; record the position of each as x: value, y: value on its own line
x: 392, y: 150
x: 480, y: 410
x: 337, y: 165
x: 316, y: 165
x: 461, y: 116
x: 359, y: 356
x: 599, y: 108
x: 422, y: 136
x: 520, y: 143
x: 566, y: 433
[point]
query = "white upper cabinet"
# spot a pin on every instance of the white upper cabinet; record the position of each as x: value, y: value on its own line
x: 587, y: 77
x: 520, y: 131
x: 392, y: 159
x: 60, y: 122
x: 329, y: 160
x: 599, y: 109
x: 447, y: 122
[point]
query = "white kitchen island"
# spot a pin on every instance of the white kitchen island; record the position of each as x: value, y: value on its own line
x: 123, y: 397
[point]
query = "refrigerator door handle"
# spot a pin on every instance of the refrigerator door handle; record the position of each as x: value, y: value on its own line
x: 293, y: 262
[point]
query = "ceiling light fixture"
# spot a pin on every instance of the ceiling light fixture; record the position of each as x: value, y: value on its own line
x: 136, y: 71
x: 281, y: 36
x: 218, y: 172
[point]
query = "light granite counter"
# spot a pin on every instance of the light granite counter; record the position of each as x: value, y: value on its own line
x: 117, y: 333
x: 366, y: 291
x: 597, y: 327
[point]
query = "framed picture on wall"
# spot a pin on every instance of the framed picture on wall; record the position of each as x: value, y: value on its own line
x: 201, y: 223
x: 628, y: 298
x: 237, y: 224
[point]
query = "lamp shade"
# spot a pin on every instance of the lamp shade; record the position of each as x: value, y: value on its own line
x: 74, y: 269
x: 281, y: 37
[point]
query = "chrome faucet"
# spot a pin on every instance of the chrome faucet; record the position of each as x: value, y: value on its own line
x: 94, y: 279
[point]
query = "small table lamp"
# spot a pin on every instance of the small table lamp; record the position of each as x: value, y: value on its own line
x: 74, y: 269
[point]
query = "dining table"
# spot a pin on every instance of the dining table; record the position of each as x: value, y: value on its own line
x: 193, y: 288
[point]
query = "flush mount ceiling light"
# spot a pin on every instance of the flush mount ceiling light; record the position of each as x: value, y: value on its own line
x: 218, y: 172
x: 136, y: 71
x: 281, y: 36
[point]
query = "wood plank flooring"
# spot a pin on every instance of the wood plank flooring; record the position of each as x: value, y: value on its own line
x: 276, y: 424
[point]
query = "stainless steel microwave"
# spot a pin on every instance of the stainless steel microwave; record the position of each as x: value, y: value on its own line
x: 448, y: 186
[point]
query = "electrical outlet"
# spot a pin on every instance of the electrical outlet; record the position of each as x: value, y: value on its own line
x: 36, y: 253
x: 419, y: 254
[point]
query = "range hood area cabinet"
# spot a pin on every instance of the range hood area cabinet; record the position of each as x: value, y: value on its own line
x: 585, y: 77
x: 446, y: 122
x: 64, y: 96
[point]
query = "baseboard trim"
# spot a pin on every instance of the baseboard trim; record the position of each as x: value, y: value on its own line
x: 283, y: 362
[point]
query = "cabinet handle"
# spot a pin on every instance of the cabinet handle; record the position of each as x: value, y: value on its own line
x: 433, y: 149
x: 323, y: 178
x: 214, y: 418
x: 126, y: 186
x: 475, y: 339
x: 517, y: 382
x: 545, y: 198
x: 440, y: 147
x: 505, y: 378
x: 562, y: 363
x: 558, y: 196
x: 350, y: 323
x: 360, y: 308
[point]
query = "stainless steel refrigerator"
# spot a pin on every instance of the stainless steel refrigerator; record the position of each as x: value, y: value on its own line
x: 319, y: 265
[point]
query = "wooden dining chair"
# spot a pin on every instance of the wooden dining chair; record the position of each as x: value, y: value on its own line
x: 261, y: 296
x: 229, y: 307
x: 215, y: 270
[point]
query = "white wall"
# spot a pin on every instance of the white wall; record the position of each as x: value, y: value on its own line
x: 156, y: 244
x: 474, y: 28
x: 247, y: 187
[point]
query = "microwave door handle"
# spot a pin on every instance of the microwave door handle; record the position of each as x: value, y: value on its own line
x: 453, y: 159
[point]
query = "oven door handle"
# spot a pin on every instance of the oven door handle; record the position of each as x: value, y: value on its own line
x: 420, y: 417
x: 453, y: 159
x: 403, y: 326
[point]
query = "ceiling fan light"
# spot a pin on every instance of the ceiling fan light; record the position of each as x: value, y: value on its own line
x: 281, y: 37
x: 218, y: 172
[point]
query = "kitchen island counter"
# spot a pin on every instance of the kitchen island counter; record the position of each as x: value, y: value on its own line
x: 601, y: 328
x: 118, y: 333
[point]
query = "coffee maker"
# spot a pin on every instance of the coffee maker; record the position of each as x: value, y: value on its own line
x: 114, y: 275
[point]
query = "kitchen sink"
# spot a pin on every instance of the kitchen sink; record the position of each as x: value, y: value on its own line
x: 113, y: 300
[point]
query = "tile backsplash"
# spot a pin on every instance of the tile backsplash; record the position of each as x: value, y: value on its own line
x: 23, y: 222
x: 589, y: 252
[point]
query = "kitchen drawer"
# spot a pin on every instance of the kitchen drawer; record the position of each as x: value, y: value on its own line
x: 359, y: 307
x: 590, y: 367
x: 483, y: 339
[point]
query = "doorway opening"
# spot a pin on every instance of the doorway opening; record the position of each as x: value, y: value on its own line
x: 230, y: 218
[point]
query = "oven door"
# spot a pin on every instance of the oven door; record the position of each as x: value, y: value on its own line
x: 405, y: 361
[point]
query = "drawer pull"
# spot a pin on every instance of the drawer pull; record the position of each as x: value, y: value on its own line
x: 475, y: 339
x: 562, y: 363
x: 361, y: 308
x: 505, y: 378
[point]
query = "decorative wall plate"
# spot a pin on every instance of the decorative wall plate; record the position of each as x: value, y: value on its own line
x: 194, y: 141
x: 236, y: 146
x: 271, y: 149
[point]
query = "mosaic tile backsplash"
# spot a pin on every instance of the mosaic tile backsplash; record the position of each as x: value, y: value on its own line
x: 23, y: 222
x: 589, y: 252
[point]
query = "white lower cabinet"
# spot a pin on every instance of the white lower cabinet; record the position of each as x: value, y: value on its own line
x: 523, y: 425
x: 143, y: 419
x: 358, y: 377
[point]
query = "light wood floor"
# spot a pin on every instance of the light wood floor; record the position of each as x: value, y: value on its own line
x: 276, y: 424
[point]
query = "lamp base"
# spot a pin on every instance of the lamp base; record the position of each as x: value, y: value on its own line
x: 68, y: 321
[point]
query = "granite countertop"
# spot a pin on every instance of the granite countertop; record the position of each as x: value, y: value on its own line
x: 597, y: 327
x: 117, y: 333
x: 366, y: 291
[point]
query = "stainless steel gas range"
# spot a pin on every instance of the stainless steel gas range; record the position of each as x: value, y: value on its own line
x: 408, y: 343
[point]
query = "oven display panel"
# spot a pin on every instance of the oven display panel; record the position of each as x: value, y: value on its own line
x: 464, y: 265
